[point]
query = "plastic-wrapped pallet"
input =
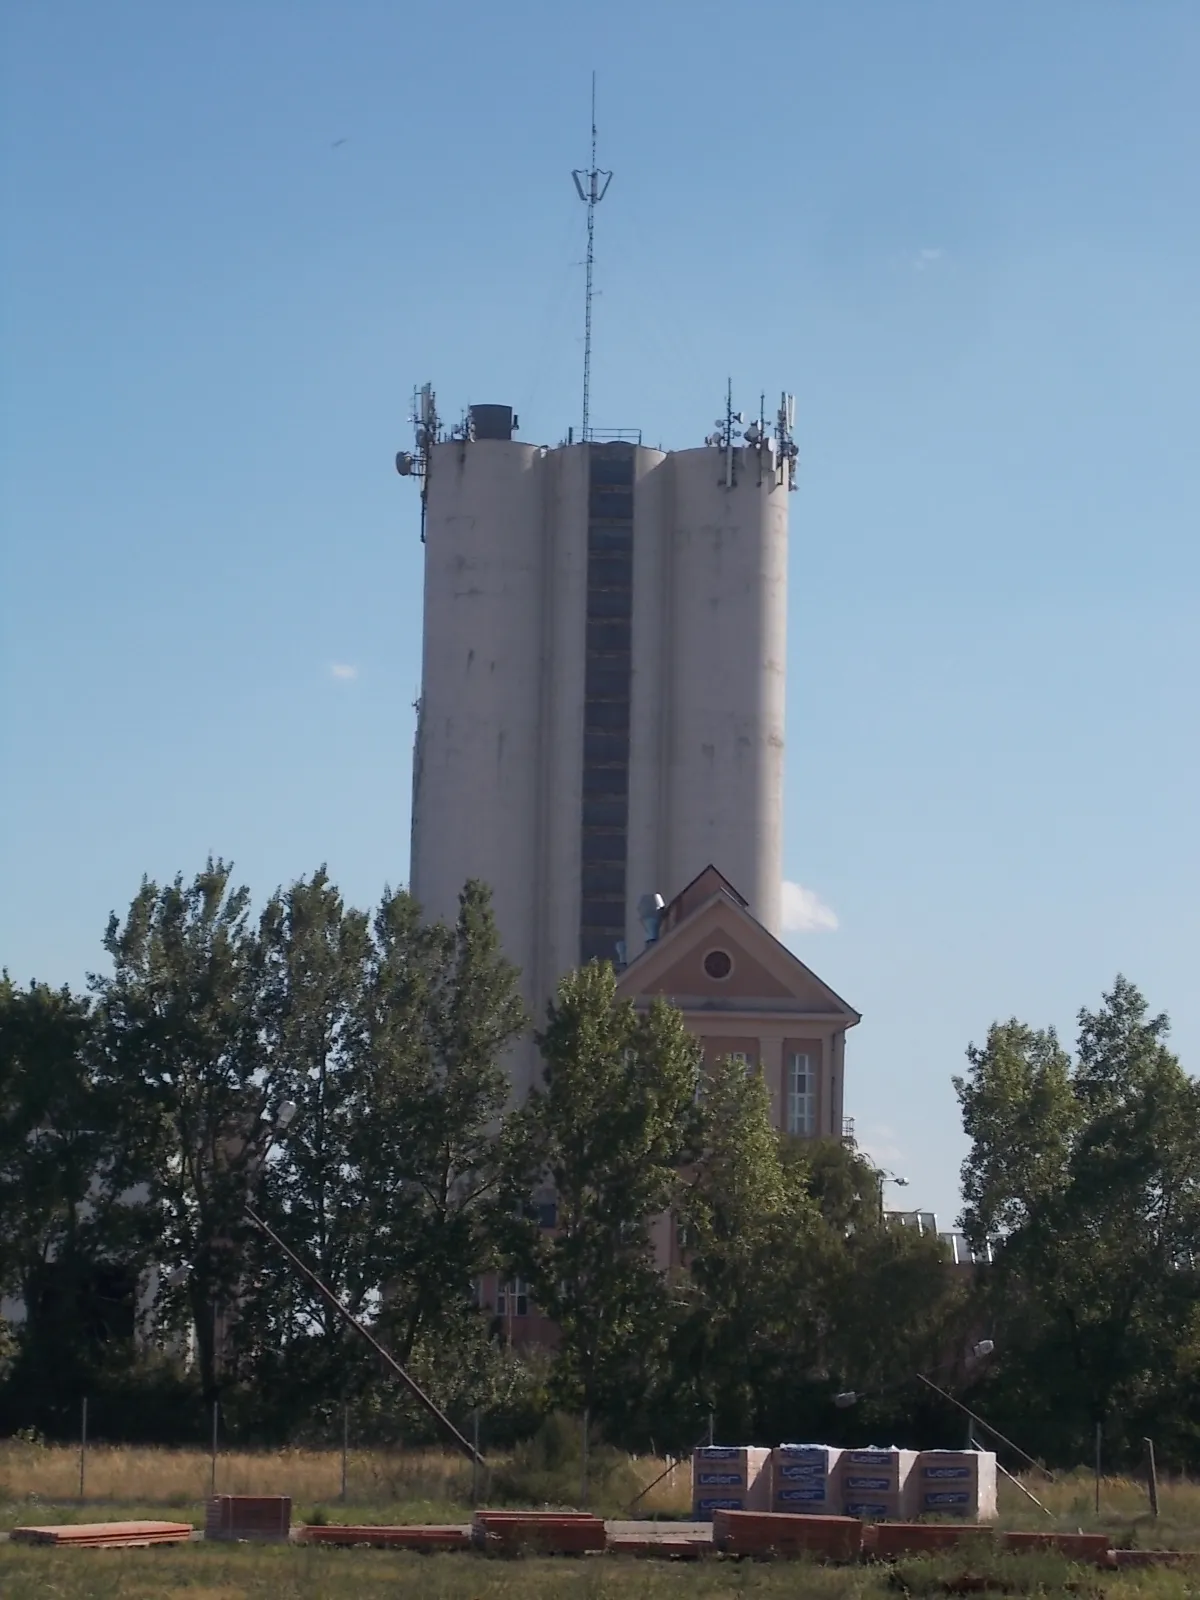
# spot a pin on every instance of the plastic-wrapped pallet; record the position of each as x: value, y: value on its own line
x: 878, y: 1483
x: 729, y: 1478
x: 804, y: 1479
x: 956, y: 1483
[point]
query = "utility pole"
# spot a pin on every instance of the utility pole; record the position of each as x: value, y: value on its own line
x: 591, y: 187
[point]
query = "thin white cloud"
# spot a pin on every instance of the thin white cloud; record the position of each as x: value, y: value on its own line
x: 804, y: 911
x: 881, y: 1146
x: 926, y: 258
x: 342, y: 671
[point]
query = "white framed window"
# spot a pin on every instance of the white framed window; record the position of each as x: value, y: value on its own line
x: 512, y: 1299
x: 801, y: 1095
x: 743, y: 1058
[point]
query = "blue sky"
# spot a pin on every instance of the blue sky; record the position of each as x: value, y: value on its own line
x: 965, y: 235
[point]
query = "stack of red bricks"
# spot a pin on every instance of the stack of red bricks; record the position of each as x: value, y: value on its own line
x: 558, y: 1533
x: 424, y: 1540
x: 764, y: 1533
x: 262, y: 1517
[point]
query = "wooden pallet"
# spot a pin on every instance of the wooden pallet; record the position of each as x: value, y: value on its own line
x: 105, y: 1535
x: 682, y: 1549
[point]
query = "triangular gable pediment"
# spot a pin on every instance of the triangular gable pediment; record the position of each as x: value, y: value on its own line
x: 763, y: 973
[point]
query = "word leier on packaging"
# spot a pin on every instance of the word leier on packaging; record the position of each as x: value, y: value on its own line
x: 730, y: 1478
x: 804, y: 1478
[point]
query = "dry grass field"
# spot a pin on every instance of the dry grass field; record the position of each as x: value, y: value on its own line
x: 40, y: 1483
x: 392, y: 1486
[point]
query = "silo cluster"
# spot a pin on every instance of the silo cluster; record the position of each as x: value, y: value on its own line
x: 602, y: 701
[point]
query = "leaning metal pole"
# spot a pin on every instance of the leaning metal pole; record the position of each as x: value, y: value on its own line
x: 995, y: 1432
x: 327, y: 1294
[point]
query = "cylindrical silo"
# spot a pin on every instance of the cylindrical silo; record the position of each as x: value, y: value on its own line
x: 648, y: 867
x: 564, y: 599
x: 475, y: 768
x: 728, y: 642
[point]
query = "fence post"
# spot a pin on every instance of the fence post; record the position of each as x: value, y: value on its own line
x: 345, y: 1446
x: 1099, y: 1438
x: 475, y: 1460
x: 1151, y: 1477
x: 583, y: 1487
x: 212, y: 1473
x: 82, y: 1447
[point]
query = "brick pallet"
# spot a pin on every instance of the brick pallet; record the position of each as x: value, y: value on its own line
x: 566, y: 1533
x: 764, y: 1533
x: 1077, y: 1546
x: 1153, y: 1558
x: 262, y: 1517
x: 886, y: 1540
x: 730, y: 1478
x: 424, y: 1540
x: 806, y: 1479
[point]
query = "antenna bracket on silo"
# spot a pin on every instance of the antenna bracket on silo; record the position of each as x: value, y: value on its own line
x: 427, y: 431
x: 728, y: 432
x: 786, y: 449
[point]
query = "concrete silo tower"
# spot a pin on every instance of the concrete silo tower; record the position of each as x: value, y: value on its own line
x: 602, y: 697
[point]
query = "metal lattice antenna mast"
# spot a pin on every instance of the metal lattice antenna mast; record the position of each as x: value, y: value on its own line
x: 592, y: 186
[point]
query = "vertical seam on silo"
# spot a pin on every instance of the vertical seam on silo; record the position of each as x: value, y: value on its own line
x: 666, y: 682
x: 540, y: 981
x: 608, y: 667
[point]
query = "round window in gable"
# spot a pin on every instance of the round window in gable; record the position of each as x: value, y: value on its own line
x: 718, y: 964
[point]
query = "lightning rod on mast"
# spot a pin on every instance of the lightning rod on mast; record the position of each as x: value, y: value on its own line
x: 591, y: 186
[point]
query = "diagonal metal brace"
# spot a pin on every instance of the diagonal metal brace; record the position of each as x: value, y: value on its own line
x: 327, y: 1294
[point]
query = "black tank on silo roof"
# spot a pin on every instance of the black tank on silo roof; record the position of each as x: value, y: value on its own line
x: 492, y: 422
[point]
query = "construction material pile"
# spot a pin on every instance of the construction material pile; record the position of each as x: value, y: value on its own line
x: 730, y: 1478
x: 262, y: 1517
x: 105, y: 1535
x: 880, y: 1485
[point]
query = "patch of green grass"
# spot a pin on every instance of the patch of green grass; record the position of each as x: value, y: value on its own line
x: 258, y: 1572
x: 251, y: 1572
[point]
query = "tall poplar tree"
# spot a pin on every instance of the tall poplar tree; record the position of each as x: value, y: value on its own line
x: 182, y: 1057
x: 610, y: 1130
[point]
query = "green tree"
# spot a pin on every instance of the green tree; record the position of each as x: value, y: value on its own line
x: 441, y: 1012
x: 746, y: 1220
x: 610, y: 1131
x: 310, y: 962
x: 1096, y: 1222
x: 893, y: 1305
x: 59, y: 1250
x: 798, y: 1286
x: 1021, y: 1115
x: 183, y: 1059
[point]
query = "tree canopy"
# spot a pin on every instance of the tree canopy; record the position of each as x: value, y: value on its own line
x: 693, y: 1263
